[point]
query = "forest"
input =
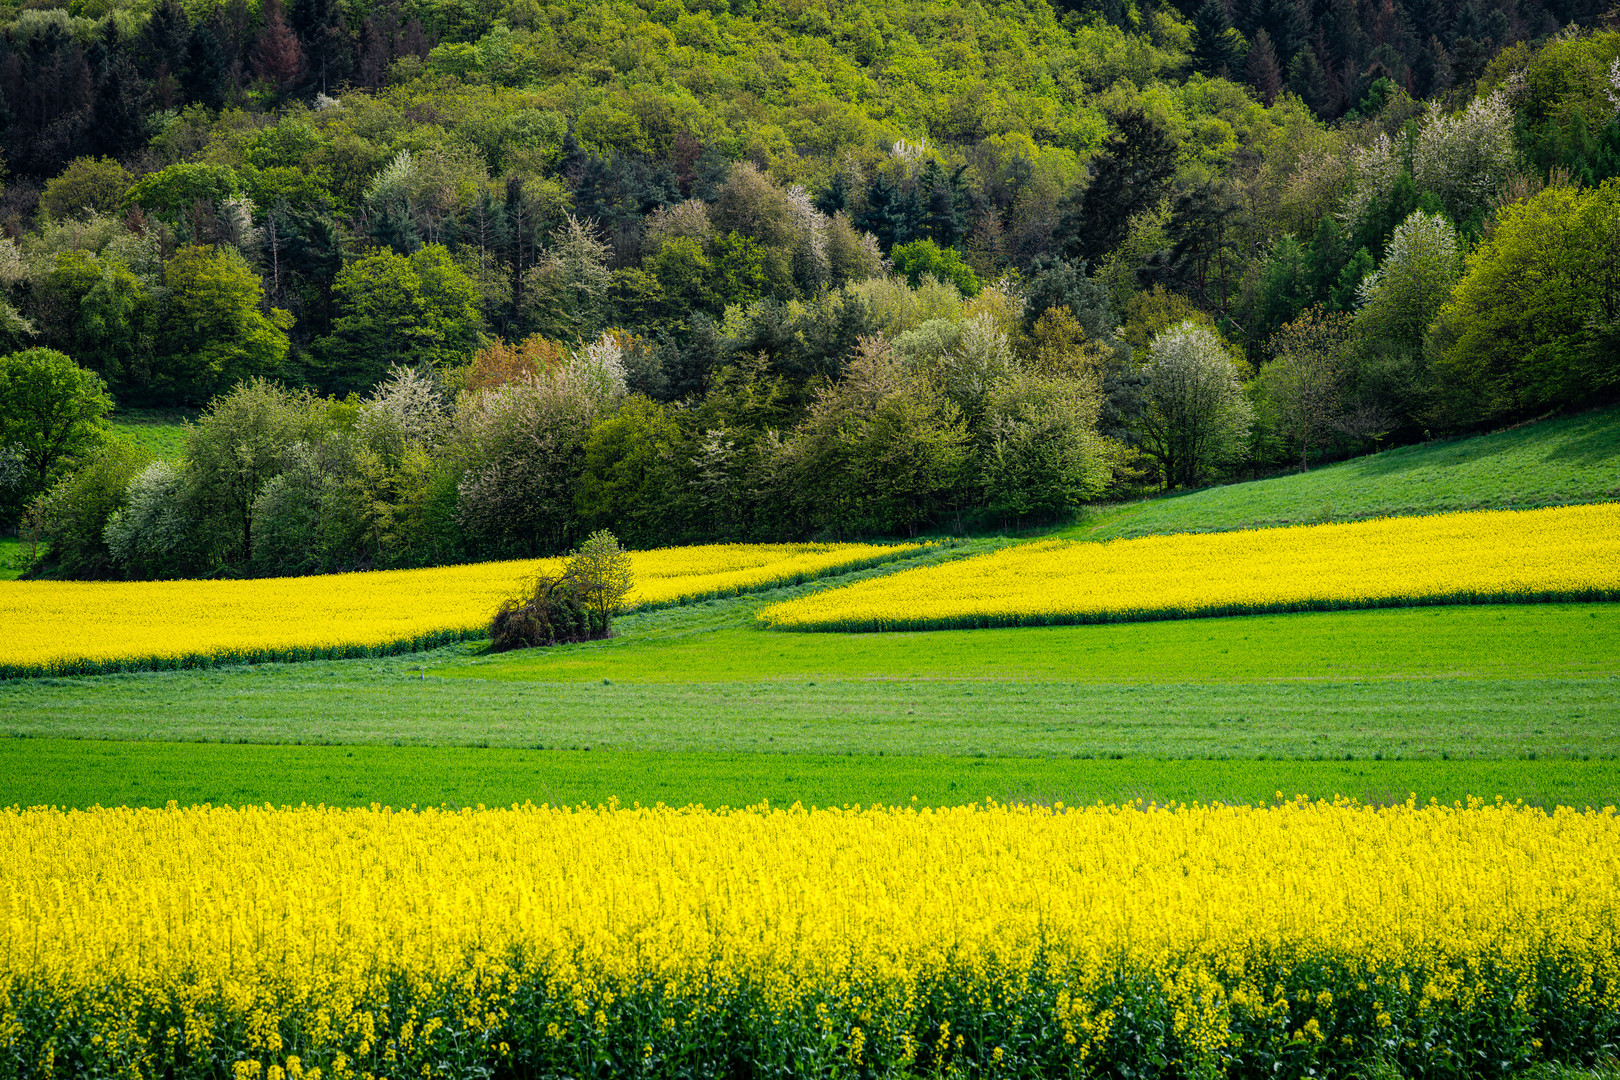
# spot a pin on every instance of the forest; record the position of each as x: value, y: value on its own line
x: 441, y: 281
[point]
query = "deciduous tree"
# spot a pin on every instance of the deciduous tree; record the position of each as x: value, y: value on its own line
x: 51, y: 410
x: 1305, y: 379
x: 1195, y: 415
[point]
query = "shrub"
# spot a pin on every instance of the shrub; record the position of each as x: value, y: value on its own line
x: 576, y: 605
x: 555, y: 614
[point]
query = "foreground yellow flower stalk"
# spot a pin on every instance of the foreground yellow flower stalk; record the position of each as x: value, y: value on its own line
x: 1564, y: 553
x: 1285, y: 941
x: 83, y: 627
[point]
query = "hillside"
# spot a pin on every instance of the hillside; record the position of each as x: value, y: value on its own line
x: 1553, y: 463
x: 445, y: 283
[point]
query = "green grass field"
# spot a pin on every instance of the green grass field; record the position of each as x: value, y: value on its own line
x: 160, y: 432
x: 694, y: 704
x: 717, y: 643
x: 1502, y: 683
x: 1568, y: 460
x: 84, y: 772
x: 13, y: 558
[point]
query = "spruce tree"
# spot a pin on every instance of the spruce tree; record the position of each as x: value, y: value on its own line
x: 1264, y: 74
x: 835, y: 197
x: 1132, y: 173
x: 120, y: 109
x: 164, y: 39
x: 1215, y: 48
x: 206, y: 69
x: 879, y: 216
x: 1308, y: 79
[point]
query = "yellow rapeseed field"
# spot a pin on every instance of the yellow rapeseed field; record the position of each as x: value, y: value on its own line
x: 1565, y: 553
x: 325, y: 944
x: 76, y: 627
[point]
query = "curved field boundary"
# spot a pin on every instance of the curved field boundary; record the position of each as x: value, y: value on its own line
x: 88, y: 628
x: 1551, y: 555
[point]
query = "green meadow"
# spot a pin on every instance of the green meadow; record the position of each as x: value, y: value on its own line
x: 1574, y: 459
x: 160, y: 432
x: 78, y: 772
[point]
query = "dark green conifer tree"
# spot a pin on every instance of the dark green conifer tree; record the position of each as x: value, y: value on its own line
x: 1132, y: 172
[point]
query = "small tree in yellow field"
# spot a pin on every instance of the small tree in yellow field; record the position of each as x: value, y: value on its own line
x: 601, y: 570
x: 577, y: 605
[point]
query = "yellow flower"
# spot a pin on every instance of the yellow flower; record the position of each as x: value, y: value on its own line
x: 1569, y: 552
x: 73, y: 626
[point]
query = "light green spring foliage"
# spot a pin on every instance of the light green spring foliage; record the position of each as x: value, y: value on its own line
x: 887, y: 56
x: 1533, y: 324
x: 1421, y: 265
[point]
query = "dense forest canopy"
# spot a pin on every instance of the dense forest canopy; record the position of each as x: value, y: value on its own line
x: 459, y: 279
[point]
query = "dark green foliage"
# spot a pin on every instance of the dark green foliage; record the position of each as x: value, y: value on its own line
x: 556, y: 613
x: 1309, y: 80
x: 71, y: 518
x: 1058, y: 283
x: 946, y: 198
x: 1205, y: 258
x: 207, y: 68
x: 1130, y: 175
x: 1216, y: 48
x: 1262, y: 68
x: 895, y: 213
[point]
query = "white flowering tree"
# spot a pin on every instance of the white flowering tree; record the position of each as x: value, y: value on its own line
x: 1195, y: 416
x: 407, y: 408
x: 1401, y: 298
x: 1465, y: 157
x: 1374, y: 169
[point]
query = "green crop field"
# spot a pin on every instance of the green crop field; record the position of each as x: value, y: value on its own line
x: 696, y: 704
x: 68, y: 772
x: 1569, y: 460
x: 1499, y: 683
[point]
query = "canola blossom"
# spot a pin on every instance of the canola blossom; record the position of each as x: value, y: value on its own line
x: 1300, y: 939
x: 1565, y: 553
x: 68, y: 627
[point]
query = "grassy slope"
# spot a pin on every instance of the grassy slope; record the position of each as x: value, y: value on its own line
x: 1568, y: 460
x: 162, y: 432
x: 11, y: 558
